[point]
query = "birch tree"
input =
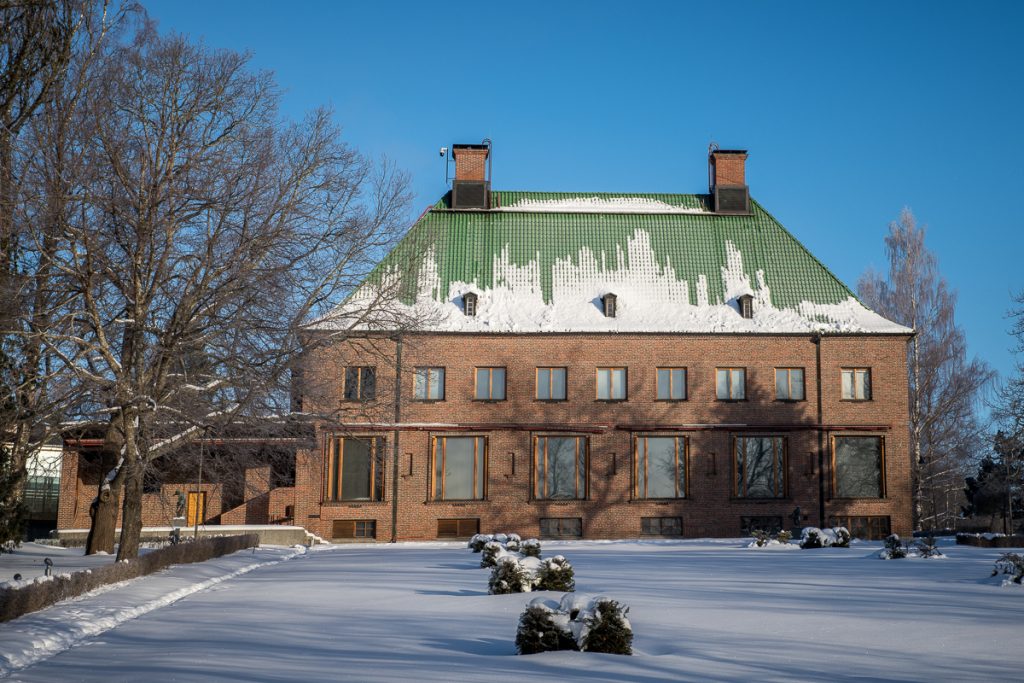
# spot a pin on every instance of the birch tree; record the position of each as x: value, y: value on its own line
x: 945, y: 385
x: 207, y: 231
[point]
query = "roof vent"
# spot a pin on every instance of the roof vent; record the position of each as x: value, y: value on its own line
x: 727, y: 180
x: 746, y: 305
x: 469, y: 303
x: 471, y: 188
x: 609, y: 302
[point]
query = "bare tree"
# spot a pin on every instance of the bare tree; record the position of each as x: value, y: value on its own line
x: 206, y: 232
x: 1008, y: 411
x: 945, y: 386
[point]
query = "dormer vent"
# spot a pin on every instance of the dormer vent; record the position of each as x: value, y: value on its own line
x: 471, y: 188
x: 746, y: 305
x: 469, y: 303
x: 727, y: 180
x: 609, y: 302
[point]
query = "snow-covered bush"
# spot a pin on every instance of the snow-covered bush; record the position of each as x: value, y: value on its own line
x: 543, y: 629
x: 783, y: 536
x: 811, y: 538
x: 764, y: 539
x: 509, y: 576
x: 530, y: 547
x: 513, y: 543
x: 477, y: 542
x: 761, y: 537
x: 927, y: 547
x: 836, y: 537
x: 1011, y: 564
x: 841, y: 537
x: 894, y: 548
x: 490, y: 553
x: 575, y: 623
x: 555, y: 574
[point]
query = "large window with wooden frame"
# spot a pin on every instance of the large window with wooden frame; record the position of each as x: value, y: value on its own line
x: 671, y: 384
x: 360, y: 383
x: 611, y: 384
x: 551, y: 384
x: 458, y: 528
x: 355, y: 469
x: 459, y: 468
x: 760, y: 467
x: 490, y: 384
x: 856, y: 383
x: 731, y: 384
x: 789, y: 384
x: 659, y: 466
x: 428, y: 384
x: 560, y: 467
x: 867, y: 527
x: 858, y: 466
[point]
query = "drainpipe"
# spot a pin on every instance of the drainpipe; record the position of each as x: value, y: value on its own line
x: 394, y: 439
x: 816, y: 340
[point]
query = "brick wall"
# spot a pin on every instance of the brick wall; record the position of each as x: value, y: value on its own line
x: 730, y: 169
x: 470, y: 164
x: 709, y: 425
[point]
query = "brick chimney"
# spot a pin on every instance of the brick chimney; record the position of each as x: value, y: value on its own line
x: 727, y: 180
x: 471, y: 188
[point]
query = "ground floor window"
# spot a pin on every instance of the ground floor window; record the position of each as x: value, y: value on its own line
x: 355, y: 469
x: 458, y: 528
x: 661, y: 526
x: 869, y: 527
x: 857, y: 466
x: 354, y: 528
x: 770, y: 523
x: 459, y: 470
x: 560, y: 467
x: 561, y: 527
x: 760, y: 467
x: 659, y: 466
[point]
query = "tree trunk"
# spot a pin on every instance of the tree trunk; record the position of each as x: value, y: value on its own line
x: 104, y: 511
x: 131, y: 513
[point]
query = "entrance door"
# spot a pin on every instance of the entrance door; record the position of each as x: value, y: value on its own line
x: 196, y: 507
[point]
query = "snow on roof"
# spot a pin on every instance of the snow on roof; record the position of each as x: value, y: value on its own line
x: 598, y: 205
x: 651, y: 298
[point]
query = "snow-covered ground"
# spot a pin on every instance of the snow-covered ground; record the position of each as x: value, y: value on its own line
x: 708, y: 610
x: 27, y: 560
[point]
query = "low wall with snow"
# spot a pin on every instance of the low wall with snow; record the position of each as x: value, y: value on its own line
x: 268, y: 534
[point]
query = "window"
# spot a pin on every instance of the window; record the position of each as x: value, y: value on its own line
x: 469, y: 303
x: 671, y: 384
x: 428, y: 384
x: 561, y: 527
x: 869, y: 528
x: 611, y: 384
x: 609, y: 302
x: 560, y: 467
x: 760, y: 466
x: 551, y: 384
x: 354, y: 528
x: 789, y: 384
x: 770, y: 523
x: 857, y: 384
x: 490, y: 384
x: 746, y: 305
x: 459, y: 468
x: 857, y: 466
x: 360, y: 384
x: 731, y: 384
x: 661, y: 526
x: 458, y: 528
x: 355, y: 469
x: 660, y: 467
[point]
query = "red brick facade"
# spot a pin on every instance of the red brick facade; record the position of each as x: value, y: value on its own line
x: 610, y: 510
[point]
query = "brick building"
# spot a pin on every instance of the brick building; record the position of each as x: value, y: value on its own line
x: 603, y: 366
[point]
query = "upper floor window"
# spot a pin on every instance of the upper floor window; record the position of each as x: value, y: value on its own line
x: 789, y: 384
x: 609, y: 302
x: 469, y: 303
x: 760, y: 466
x: 428, y: 384
x: 671, y: 384
x: 611, y: 384
x: 560, y: 467
x: 857, y: 466
x: 659, y: 466
x: 551, y: 384
x: 459, y: 468
x: 856, y: 384
x: 746, y: 305
x: 731, y: 384
x: 355, y: 469
x: 360, y: 383
x: 490, y: 384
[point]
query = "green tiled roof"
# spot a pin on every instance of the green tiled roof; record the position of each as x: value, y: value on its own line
x: 465, y: 244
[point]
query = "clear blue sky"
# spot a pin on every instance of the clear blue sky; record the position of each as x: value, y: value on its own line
x: 850, y: 112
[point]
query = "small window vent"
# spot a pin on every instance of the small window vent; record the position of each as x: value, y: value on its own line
x: 610, y: 303
x: 469, y: 303
x: 735, y: 199
x: 746, y: 304
x: 471, y: 194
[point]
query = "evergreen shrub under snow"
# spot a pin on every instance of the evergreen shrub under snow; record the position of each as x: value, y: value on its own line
x: 555, y: 574
x: 530, y: 547
x: 764, y: 539
x: 836, y: 537
x: 575, y: 623
x: 1012, y: 565
x: 490, y: 553
x: 897, y: 549
x: 894, y: 549
x: 509, y: 576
